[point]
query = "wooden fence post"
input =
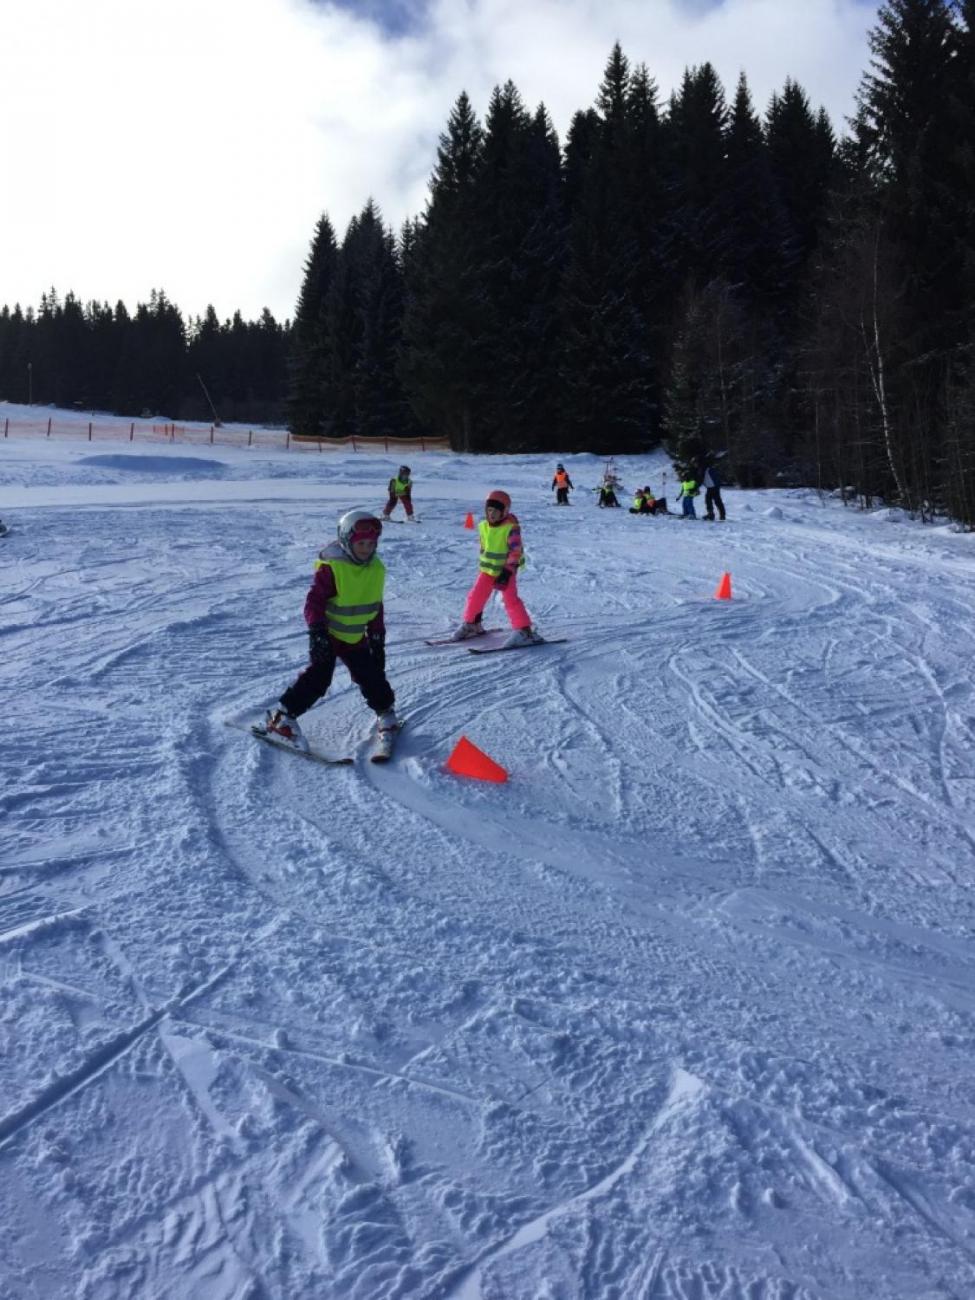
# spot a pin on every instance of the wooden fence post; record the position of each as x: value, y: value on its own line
x: 89, y: 430
x: 49, y: 426
x: 132, y: 431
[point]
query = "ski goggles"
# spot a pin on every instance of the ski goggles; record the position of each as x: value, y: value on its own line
x: 366, y: 530
x: 495, y: 505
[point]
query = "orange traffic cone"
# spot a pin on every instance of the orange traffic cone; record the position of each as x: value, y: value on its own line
x: 723, y: 591
x: 468, y: 760
x: 469, y: 521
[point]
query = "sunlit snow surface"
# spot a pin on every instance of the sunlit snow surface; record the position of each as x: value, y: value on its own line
x: 684, y: 1011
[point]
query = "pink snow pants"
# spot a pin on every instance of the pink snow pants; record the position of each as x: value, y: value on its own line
x: 480, y: 594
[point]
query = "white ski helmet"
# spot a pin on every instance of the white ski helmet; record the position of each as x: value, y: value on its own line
x: 356, y: 524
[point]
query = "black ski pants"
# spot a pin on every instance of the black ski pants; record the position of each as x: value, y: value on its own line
x: 365, y: 669
x: 712, y: 499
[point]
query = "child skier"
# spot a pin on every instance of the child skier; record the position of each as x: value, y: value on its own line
x: 400, y: 489
x: 501, y: 557
x: 344, y: 613
x: 563, y: 485
x: 686, y: 495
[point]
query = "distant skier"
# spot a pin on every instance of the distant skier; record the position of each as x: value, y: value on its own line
x: 688, y: 491
x: 501, y: 556
x: 607, y: 495
x: 712, y: 492
x: 563, y: 485
x: 400, y: 489
x: 344, y: 613
x: 641, y: 506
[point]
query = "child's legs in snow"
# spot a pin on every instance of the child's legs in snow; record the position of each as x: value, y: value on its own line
x: 514, y: 607
x: 478, y: 596
x: 312, y: 683
x: 367, y: 675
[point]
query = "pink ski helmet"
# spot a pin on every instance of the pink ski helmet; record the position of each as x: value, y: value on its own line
x: 498, y: 499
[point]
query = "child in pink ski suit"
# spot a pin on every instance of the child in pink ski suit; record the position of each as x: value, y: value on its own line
x: 500, y: 558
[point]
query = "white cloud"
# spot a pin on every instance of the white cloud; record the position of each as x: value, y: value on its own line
x: 193, y: 145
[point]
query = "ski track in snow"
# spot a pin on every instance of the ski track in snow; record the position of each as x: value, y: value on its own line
x: 683, y: 1011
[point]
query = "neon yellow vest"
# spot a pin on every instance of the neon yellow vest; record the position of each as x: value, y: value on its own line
x: 401, y: 487
x: 358, y: 598
x: 494, y: 547
x: 689, y: 487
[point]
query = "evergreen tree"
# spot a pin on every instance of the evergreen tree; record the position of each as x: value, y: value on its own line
x: 606, y: 378
x: 364, y: 315
x: 519, y: 199
x: 909, y: 127
x: 694, y: 138
x: 309, y: 344
x: 15, y: 354
x: 760, y: 254
x: 441, y: 366
x: 800, y: 149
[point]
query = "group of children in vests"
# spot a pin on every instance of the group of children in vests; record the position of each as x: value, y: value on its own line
x: 344, y: 611
x: 344, y: 605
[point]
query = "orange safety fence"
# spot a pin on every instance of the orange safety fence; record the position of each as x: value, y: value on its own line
x: 210, y: 435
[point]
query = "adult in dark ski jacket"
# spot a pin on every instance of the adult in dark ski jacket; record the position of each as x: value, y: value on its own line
x: 712, y: 491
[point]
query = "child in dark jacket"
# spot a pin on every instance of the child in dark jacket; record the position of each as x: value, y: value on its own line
x: 344, y: 613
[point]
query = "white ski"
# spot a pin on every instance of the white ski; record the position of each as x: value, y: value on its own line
x: 313, y: 755
x: 525, y: 645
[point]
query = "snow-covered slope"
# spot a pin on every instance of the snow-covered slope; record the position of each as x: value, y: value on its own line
x: 683, y: 1010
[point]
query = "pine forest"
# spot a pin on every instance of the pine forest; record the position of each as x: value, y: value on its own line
x: 693, y: 272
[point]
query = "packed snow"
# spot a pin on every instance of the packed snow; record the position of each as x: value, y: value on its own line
x: 683, y: 1010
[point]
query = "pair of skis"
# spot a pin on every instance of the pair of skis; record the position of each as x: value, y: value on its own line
x: 383, y: 745
x: 493, y: 649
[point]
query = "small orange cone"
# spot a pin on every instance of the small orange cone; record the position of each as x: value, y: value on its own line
x: 468, y: 760
x: 723, y: 591
x: 469, y: 521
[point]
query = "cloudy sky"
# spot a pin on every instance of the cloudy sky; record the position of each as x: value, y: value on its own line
x: 192, y: 145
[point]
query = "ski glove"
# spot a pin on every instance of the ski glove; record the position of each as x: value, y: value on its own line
x: 319, y: 647
x: 502, y: 580
x: 377, y: 648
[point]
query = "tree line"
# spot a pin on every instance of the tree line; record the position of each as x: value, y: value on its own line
x: 150, y: 362
x: 693, y: 273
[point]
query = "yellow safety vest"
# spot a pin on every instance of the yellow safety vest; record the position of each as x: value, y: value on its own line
x: 400, y: 487
x: 494, y: 546
x: 358, y: 598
